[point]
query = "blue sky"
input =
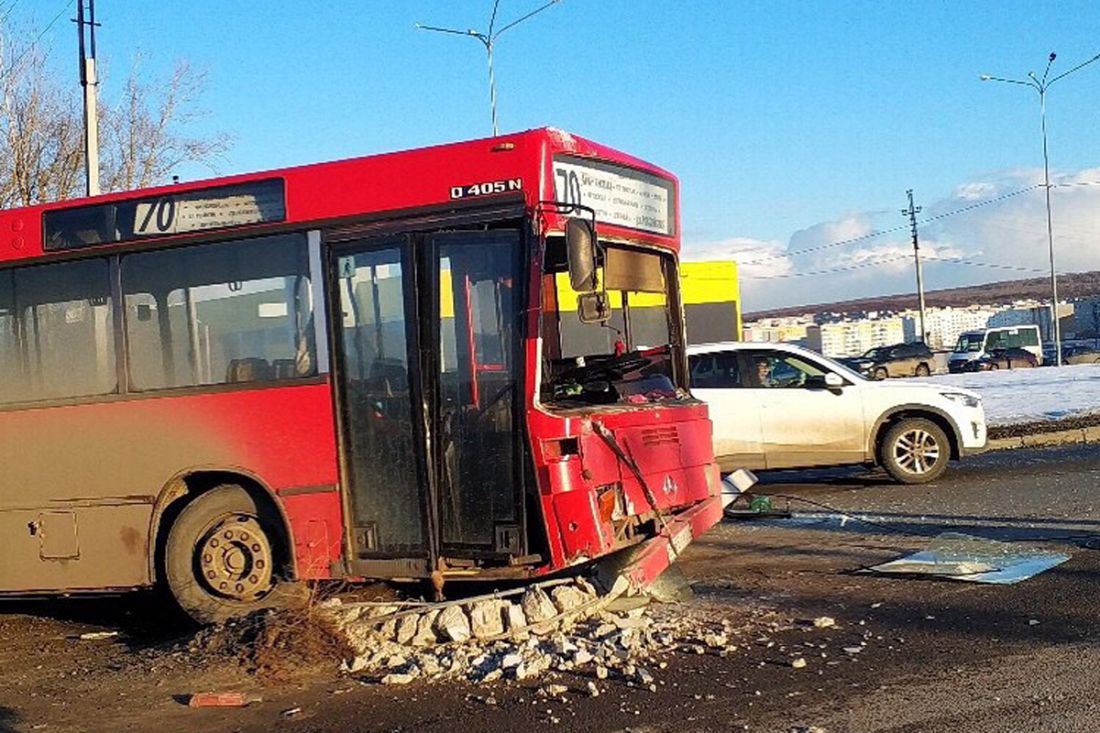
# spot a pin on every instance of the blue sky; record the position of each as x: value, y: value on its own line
x: 790, y: 124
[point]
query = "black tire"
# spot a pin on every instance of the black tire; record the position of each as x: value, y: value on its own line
x: 914, y: 451
x: 993, y: 366
x: 923, y: 370
x: 221, y: 556
x: 881, y: 373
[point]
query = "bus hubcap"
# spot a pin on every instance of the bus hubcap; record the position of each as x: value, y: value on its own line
x: 916, y: 451
x: 234, y: 558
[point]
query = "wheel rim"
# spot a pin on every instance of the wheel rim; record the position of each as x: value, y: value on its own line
x: 233, y: 558
x: 916, y: 451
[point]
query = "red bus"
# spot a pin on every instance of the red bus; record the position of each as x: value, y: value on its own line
x: 419, y: 365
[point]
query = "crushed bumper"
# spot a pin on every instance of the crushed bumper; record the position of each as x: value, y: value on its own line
x: 640, y: 565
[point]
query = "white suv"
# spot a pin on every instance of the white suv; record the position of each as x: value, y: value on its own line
x: 782, y: 406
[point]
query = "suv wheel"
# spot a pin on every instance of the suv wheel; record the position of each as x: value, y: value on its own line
x: 923, y: 370
x: 881, y: 373
x: 915, y: 451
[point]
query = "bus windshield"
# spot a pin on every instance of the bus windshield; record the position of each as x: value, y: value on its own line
x: 969, y: 342
x: 627, y: 360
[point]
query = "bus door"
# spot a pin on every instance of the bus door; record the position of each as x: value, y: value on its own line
x: 428, y: 388
x: 478, y: 435
x: 379, y: 394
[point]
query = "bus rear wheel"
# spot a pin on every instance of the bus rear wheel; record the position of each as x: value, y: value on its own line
x: 220, y: 558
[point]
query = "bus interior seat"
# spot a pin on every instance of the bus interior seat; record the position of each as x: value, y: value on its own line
x: 284, y: 368
x: 387, y: 376
x: 251, y: 369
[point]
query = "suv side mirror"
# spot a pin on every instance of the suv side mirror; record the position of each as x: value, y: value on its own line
x: 829, y: 380
x: 580, y: 247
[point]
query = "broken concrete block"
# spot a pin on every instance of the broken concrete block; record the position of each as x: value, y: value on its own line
x: 406, y: 628
x: 395, y: 678
x: 425, y: 628
x: 452, y: 624
x: 388, y: 630
x: 515, y: 621
x: 537, y: 606
x: 485, y: 619
x: 567, y: 598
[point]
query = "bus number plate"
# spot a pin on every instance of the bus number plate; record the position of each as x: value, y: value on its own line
x: 487, y: 188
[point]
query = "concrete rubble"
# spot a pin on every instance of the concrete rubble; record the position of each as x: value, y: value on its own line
x: 561, y: 626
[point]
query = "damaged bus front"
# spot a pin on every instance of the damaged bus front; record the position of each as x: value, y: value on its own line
x: 622, y: 450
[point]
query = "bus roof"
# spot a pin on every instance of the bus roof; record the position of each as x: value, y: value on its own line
x: 438, y: 176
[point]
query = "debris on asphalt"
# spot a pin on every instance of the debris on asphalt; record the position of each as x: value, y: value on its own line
x: 975, y: 559
x: 824, y: 622
x: 98, y: 635
x: 222, y: 700
x: 559, y: 626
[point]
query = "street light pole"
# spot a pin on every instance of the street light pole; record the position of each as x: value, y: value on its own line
x: 1041, y: 86
x: 488, y: 40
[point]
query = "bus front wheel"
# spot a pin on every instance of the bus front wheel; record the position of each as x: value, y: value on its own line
x: 220, y: 556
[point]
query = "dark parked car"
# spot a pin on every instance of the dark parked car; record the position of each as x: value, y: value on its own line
x: 1072, y: 354
x: 1013, y: 358
x: 899, y: 360
x: 1081, y: 355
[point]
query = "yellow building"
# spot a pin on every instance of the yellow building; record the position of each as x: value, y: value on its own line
x: 712, y: 301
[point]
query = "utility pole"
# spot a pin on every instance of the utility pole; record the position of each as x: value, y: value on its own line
x: 912, y: 212
x: 86, y: 25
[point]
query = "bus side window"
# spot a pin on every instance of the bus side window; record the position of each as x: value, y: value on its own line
x: 65, y: 330
x: 13, y: 385
x: 222, y: 313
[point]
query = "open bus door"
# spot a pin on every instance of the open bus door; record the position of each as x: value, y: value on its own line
x: 429, y: 386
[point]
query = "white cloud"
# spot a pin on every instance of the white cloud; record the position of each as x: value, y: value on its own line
x: 999, y: 226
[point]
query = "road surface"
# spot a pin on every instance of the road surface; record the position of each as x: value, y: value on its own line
x: 935, y: 656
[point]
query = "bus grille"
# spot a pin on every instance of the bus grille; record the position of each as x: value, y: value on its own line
x: 668, y: 435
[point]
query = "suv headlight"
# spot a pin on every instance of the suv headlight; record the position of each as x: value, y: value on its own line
x: 963, y: 399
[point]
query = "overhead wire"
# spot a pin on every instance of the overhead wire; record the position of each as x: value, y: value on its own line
x: 31, y: 46
x: 886, y: 260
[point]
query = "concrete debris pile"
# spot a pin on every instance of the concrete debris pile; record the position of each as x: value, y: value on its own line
x: 558, y: 627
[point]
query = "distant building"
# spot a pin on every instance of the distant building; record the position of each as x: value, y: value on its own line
x: 711, y: 295
x: 791, y: 329
x: 851, y: 338
x: 943, y: 325
x: 1039, y: 315
x: 1086, y: 316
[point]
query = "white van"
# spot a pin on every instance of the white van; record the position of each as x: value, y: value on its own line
x: 976, y: 344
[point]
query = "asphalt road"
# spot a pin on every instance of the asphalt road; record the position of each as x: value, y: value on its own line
x: 934, y: 655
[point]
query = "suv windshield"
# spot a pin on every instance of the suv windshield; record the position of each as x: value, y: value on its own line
x: 630, y: 359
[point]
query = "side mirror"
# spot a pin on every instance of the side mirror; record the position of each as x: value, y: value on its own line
x: 833, y: 380
x: 594, y: 307
x: 580, y: 246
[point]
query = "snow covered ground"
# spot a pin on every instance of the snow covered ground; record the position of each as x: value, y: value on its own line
x: 1028, y: 395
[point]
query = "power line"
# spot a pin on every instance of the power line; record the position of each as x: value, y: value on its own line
x: 8, y: 13
x: 979, y: 263
x: 880, y: 232
x: 830, y: 270
x: 32, y: 45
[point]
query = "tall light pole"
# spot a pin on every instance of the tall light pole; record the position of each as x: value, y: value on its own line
x: 488, y: 39
x: 1041, y: 86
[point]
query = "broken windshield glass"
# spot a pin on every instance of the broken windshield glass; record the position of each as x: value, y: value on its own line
x: 631, y: 358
